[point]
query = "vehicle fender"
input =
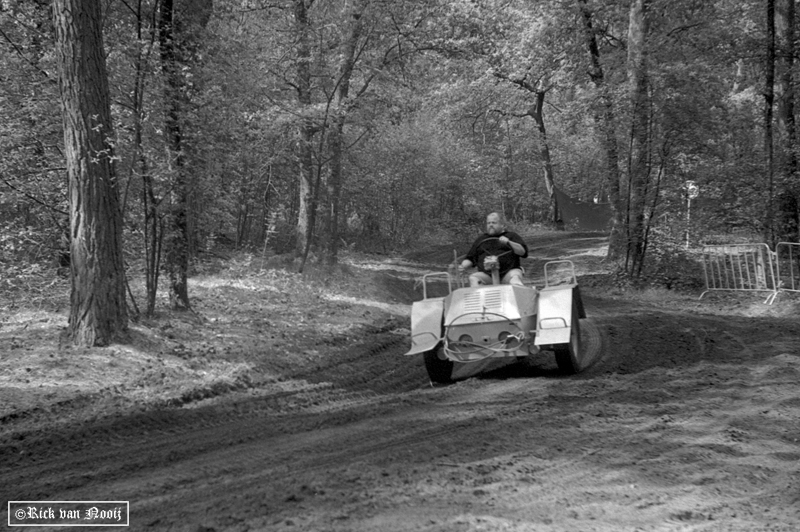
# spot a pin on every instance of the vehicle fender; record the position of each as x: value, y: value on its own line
x: 554, y: 314
x: 426, y: 324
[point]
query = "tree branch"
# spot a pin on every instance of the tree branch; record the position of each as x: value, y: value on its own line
x: 34, y: 198
x: 22, y: 55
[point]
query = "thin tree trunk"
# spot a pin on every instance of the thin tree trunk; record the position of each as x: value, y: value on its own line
x: 335, y: 141
x: 537, y: 112
x: 98, y: 313
x: 608, y: 136
x: 639, y: 171
x: 312, y: 211
x: 152, y: 239
x: 656, y: 194
x: 305, y: 127
x: 152, y: 236
x: 769, y: 102
x: 787, y: 203
x: 336, y: 134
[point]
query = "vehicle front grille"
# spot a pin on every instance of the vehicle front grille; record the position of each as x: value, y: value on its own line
x: 484, y: 299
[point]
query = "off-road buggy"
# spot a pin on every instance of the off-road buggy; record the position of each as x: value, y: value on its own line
x: 463, y: 333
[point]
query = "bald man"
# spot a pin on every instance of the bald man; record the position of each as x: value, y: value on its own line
x: 497, y: 241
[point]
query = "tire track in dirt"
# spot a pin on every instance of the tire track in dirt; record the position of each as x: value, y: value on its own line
x: 188, y: 435
x: 341, y: 390
x: 554, y: 440
x: 373, y: 366
x: 375, y: 436
x: 191, y: 458
x: 430, y: 429
x: 378, y: 367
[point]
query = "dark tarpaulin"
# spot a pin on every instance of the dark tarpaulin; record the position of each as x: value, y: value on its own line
x: 583, y: 215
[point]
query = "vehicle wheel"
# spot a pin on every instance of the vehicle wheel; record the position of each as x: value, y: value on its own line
x: 439, y: 368
x: 568, y: 356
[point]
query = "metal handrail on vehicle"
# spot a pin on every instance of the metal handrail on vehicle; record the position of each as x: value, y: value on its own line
x: 460, y: 279
x: 456, y: 261
x: 436, y: 274
x: 563, y: 261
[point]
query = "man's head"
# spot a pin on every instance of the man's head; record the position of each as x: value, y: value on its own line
x: 495, y: 224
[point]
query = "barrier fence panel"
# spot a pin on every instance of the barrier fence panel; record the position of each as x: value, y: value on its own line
x: 740, y: 267
x: 787, y: 257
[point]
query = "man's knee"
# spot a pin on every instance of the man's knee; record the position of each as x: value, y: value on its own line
x: 478, y: 279
x: 514, y: 277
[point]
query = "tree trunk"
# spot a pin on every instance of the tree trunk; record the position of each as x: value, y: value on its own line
x: 177, y: 253
x: 98, y: 314
x: 639, y: 169
x: 335, y: 147
x: 608, y: 135
x: 537, y: 112
x: 152, y: 225
x: 152, y: 241
x: 305, y: 127
x: 787, y: 200
x: 336, y: 134
x: 769, y: 102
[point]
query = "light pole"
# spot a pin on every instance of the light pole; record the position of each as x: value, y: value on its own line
x: 692, y: 192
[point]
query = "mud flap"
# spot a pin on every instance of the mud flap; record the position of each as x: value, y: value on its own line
x: 554, y: 316
x: 426, y: 324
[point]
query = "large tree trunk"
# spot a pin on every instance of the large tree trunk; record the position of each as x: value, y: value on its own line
x: 98, y: 314
x: 639, y: 170
x: 177, y: 258
x: 605, y: 120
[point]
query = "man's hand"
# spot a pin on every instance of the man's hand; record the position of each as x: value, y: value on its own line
x: 517, y: 248
x: 463, y: 265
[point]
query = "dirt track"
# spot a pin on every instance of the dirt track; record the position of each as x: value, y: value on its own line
x: 688, y: 421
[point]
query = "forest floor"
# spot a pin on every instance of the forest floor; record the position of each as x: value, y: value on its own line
x: 284, y: 402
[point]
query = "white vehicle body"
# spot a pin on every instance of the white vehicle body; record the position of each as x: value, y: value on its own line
x: 473, y: 326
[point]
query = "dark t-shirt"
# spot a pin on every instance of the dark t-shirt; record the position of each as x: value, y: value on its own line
x: 487, y: 244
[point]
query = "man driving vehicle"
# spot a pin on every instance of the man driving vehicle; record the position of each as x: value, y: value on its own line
x: 496, y: 241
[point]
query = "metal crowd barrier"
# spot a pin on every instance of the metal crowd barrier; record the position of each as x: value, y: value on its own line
x: 787, y: 255
x: 741, y: 267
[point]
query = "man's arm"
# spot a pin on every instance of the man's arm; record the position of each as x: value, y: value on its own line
x: 518, y: 248
x: 472, y: 255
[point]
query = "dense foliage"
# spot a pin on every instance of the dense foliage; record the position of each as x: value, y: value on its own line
x: 308, y: 125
